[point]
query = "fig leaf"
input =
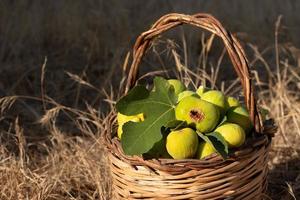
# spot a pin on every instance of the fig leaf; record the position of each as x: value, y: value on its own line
x: 158, y: 109
x: 218, y: 142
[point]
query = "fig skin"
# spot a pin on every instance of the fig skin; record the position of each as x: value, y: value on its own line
x: 201, y: 90
x: 178, y: 86
x: 240, y: 115
x: 122, y: 119
x: 182, y: 144
x: 198, y: 113
x: 233, y: 134
x: 232, y: 102
x: 217, y: 98
x: 205, y: 149
x: 186, y: 93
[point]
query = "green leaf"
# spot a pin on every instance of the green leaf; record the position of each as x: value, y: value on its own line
x: 165, y: 131
x: 203, y: 137
x: 176, y: 124
x: 159, y: 149
x: 158, y: 108
x: 218, y: 142
x: 137, y: 93
x: 222, y: 121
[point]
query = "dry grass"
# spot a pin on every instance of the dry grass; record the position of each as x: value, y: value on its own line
x: 51, y: 117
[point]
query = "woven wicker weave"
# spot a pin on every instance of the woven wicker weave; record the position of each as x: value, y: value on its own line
x: 242, y: 176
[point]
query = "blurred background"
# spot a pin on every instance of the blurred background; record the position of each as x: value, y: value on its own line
x: 95, y: 35
x: 71, y: 52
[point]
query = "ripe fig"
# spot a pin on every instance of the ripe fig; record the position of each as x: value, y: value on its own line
x: 122, y: 119
x: 198, y: 113
x: 233, y: 134
x: 201, y: 90
x: 182, y: 144
x: 186, y: 93
x: 178, y: 85
x: 239, y: 115
x: 217, y: 98
x: 205, y: 149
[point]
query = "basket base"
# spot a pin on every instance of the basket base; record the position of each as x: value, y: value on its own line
x: 243, y: 179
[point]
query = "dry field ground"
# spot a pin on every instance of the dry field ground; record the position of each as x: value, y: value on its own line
x: 61, y: 67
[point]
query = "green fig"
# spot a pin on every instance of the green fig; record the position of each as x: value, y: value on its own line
x: 217, y: 98
x: 205, y: 149
x: 198, y: 113
x: 239, y: 115
x: 178, y: 86
x: 232, y: 102
x: 201, y: 90
x: 186, y: 93
x: 122, y: 119
x: 233, y: 134
x: 182, y: 144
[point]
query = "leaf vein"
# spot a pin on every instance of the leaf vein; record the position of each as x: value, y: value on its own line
x: 152, y: 124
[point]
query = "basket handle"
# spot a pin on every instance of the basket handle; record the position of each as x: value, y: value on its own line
x: 207, y: 22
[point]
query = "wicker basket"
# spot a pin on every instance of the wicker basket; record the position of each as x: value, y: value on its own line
x: 242, y: 176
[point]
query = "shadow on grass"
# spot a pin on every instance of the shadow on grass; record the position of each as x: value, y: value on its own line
x: 284, y: 174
